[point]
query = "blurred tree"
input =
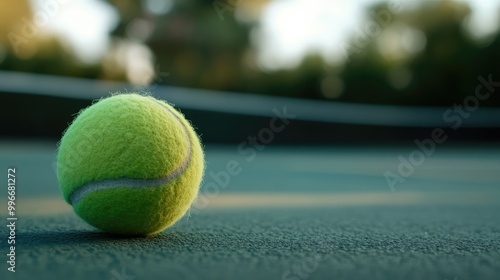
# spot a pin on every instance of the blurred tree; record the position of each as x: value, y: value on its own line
x: 24, y: 48
x: 10, y: 16
x: 189, y: 41
x: 423, y: 57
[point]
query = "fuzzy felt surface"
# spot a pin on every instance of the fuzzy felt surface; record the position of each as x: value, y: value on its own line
x: 130, y: 164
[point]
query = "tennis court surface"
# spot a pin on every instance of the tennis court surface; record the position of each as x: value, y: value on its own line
x: 292, y: 213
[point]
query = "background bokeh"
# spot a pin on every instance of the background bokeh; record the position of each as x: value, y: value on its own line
x: 379, y: 52
x: 361, y: 140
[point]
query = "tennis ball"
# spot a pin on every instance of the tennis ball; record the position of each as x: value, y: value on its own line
x: 130, y: 164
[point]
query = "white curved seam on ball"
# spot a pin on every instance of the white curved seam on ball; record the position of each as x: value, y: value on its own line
x: 91, y: 187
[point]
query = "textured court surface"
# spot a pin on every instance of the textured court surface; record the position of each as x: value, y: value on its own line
x: 336, y: 219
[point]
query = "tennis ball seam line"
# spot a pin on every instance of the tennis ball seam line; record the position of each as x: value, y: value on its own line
x: 91, y: 187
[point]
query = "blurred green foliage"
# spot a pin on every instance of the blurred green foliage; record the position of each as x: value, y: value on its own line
x: 438, y: 64
x: 442, y: 73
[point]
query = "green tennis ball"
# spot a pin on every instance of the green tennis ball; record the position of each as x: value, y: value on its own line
x: 130, y: 164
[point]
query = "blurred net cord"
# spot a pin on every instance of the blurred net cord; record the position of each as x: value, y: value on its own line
x: 248, y: 104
